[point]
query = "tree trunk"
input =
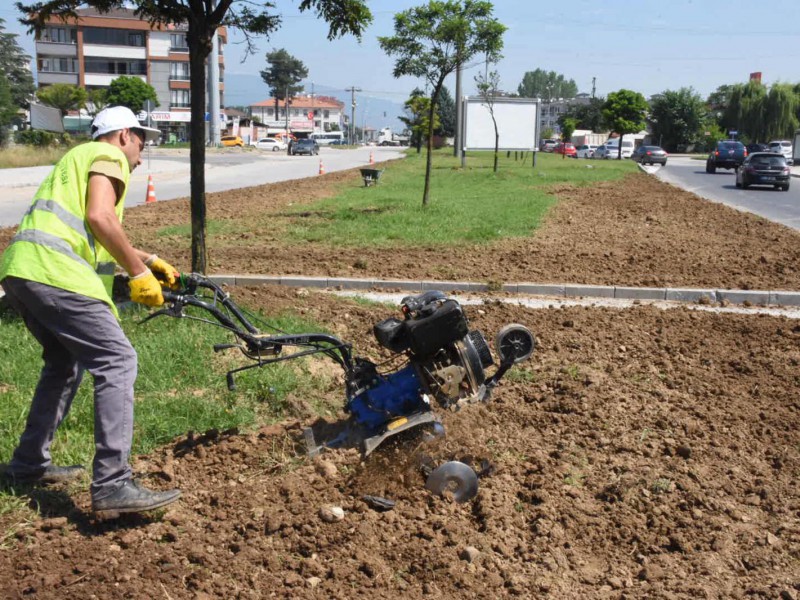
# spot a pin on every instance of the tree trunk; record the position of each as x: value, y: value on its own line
x: 199, y: 49
x: 429, y: 158
x: 496, y: 140
x: 619, y: 150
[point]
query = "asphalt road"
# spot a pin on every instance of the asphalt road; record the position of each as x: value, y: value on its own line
x: 226, y: 169
x: 689, y: 174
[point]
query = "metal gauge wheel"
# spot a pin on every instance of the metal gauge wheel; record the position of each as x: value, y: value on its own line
x: 514, y: 342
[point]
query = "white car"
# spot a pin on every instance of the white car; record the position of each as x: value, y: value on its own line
x: 586, y: 150
x: 783, y: 147
x: 270, y: 144
x: 612, y: 149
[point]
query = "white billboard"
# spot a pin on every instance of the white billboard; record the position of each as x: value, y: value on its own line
x: 517, y: 123
x: 47, y: 118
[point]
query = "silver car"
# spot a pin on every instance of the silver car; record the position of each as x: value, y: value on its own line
x: 782, y: 147
x: 586, y: 150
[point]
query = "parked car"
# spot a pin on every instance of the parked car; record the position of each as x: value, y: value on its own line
x: 305, y: 146
x: 650, y: 155
x: 270, y: 144
x: 547, y: 145
x: 764, y: 168
x: 566, y: 149
x: 755, y: 147
x: 727, y: 154
x: 611, y: 149
x: 339, y: 143
x: 232, y: 140
x: 586, y: 150
x: 783, y: 147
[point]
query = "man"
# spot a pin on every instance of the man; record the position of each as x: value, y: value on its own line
x: 57, y: 273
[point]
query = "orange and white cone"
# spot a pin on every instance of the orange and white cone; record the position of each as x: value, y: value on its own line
x: 151, y: 190
x: 371, y: 158
x: 321, y: 168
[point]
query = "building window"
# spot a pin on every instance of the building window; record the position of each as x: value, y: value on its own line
x: 115, y: 67
x: 178, y: 43
x: 58, y: 65
x: 179, y: 71
x: 59, y: 35
x: 180, y: 99
x: 115, y: 37
x: 326, y: 114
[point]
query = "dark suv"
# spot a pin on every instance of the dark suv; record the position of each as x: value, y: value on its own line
x: 728, y: 154
x: 305, y: 146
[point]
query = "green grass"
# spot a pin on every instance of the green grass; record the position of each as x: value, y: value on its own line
x: 470, y: 205
x: 181, y: 385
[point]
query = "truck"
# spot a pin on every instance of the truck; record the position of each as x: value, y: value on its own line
x: 388, y: 138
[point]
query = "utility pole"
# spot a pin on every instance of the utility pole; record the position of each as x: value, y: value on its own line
x: 459, y: 117
x: 313, y: 116
x: 353, y: 91
x: 286, y: 112
x: 594, y: 80
x: 213, y: 90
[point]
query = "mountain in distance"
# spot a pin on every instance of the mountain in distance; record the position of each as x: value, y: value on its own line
x: 244, y: 90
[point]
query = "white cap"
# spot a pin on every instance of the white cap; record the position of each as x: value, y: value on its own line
x: 115, y: 118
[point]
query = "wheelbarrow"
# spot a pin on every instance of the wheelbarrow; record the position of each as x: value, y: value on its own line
x: 371, y: 176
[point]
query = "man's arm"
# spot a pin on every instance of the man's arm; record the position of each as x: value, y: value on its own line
x: 100, y: 203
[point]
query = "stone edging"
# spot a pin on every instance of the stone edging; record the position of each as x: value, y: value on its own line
x: 754, y: 297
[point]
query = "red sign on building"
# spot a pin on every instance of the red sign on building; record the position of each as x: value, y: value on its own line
x: 756, y: 76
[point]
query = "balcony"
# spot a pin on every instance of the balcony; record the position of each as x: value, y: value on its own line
x: 180, y: 77
x: 56, y: 49
x: 180, y: 105
x: 184, y: 49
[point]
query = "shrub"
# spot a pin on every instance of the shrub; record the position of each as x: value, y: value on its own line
x: 35, y: 137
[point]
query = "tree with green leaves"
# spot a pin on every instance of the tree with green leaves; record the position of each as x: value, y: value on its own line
x: 283, y: 75
x: 625, y: 111
x: 587, y: 116
x: 546, y: 85
x: 745, y: 111
x: 432, y: 40
x: 252, y: 17
x: 446, y: 112
x: 488, y: 86
x: 63, y: 96
x: 568, y: 125
x: 417, y: 113
x: 15, y: 68
x: 7, y: 110
x: 677, y: 117
x: 132, y: 92
x: 780, y: 112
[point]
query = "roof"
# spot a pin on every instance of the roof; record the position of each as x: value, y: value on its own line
x: 304, y: 102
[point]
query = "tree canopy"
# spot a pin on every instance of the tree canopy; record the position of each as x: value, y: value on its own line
x: 432, y: 40
x: 677, y: 117
x: 283, y: 74
x: 63, y: 96
x: 446, y: 111
x: 624, y: 111
x: 14, y: 67
x: 546, y: 85
x: 131, y: 92
x: 587, y: 116
x: 251, y: 17
x: 417, y: 113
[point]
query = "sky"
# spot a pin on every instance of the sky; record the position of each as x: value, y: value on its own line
x: 642, y: 45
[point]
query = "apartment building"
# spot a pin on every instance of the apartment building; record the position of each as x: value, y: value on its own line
x: 94, y: 49
x: 307, y: 114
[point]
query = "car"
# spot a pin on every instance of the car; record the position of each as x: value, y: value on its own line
x: 566, y: 149
x: 586, y: 150
x: 727, y: 154
x: 783, y: 147
x: 232, y: 140
x: 650, y: 155
x: 756, y: 147
x: 600, y: 151
x: 270, y: 144
x: 764, y: 168
x: 547, y: 145
x: 339, y: 143
x: 305, y: 146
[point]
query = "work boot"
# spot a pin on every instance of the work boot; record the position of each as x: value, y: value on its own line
x: 50, y: 474
x: 132, y: 497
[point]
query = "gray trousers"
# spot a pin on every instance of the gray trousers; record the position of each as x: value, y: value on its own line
x: 77, y: 333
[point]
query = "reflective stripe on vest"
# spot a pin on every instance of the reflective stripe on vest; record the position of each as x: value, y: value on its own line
x: 70, y: 220
x: 49, y: 241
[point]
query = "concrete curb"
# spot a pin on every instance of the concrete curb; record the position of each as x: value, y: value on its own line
x: 687, y: 295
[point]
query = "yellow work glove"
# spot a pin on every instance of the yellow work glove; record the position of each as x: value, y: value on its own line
x: 145, y: 289
x: 167, y: 272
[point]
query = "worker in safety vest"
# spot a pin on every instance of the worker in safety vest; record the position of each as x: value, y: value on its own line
x: 57, y: 273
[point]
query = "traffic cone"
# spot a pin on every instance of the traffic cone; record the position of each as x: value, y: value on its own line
x: 321, y: 168
x: 371, y: 158
x: 151, y: 190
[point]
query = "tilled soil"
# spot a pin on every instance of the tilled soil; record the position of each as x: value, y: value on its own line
x: 641, y: 453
